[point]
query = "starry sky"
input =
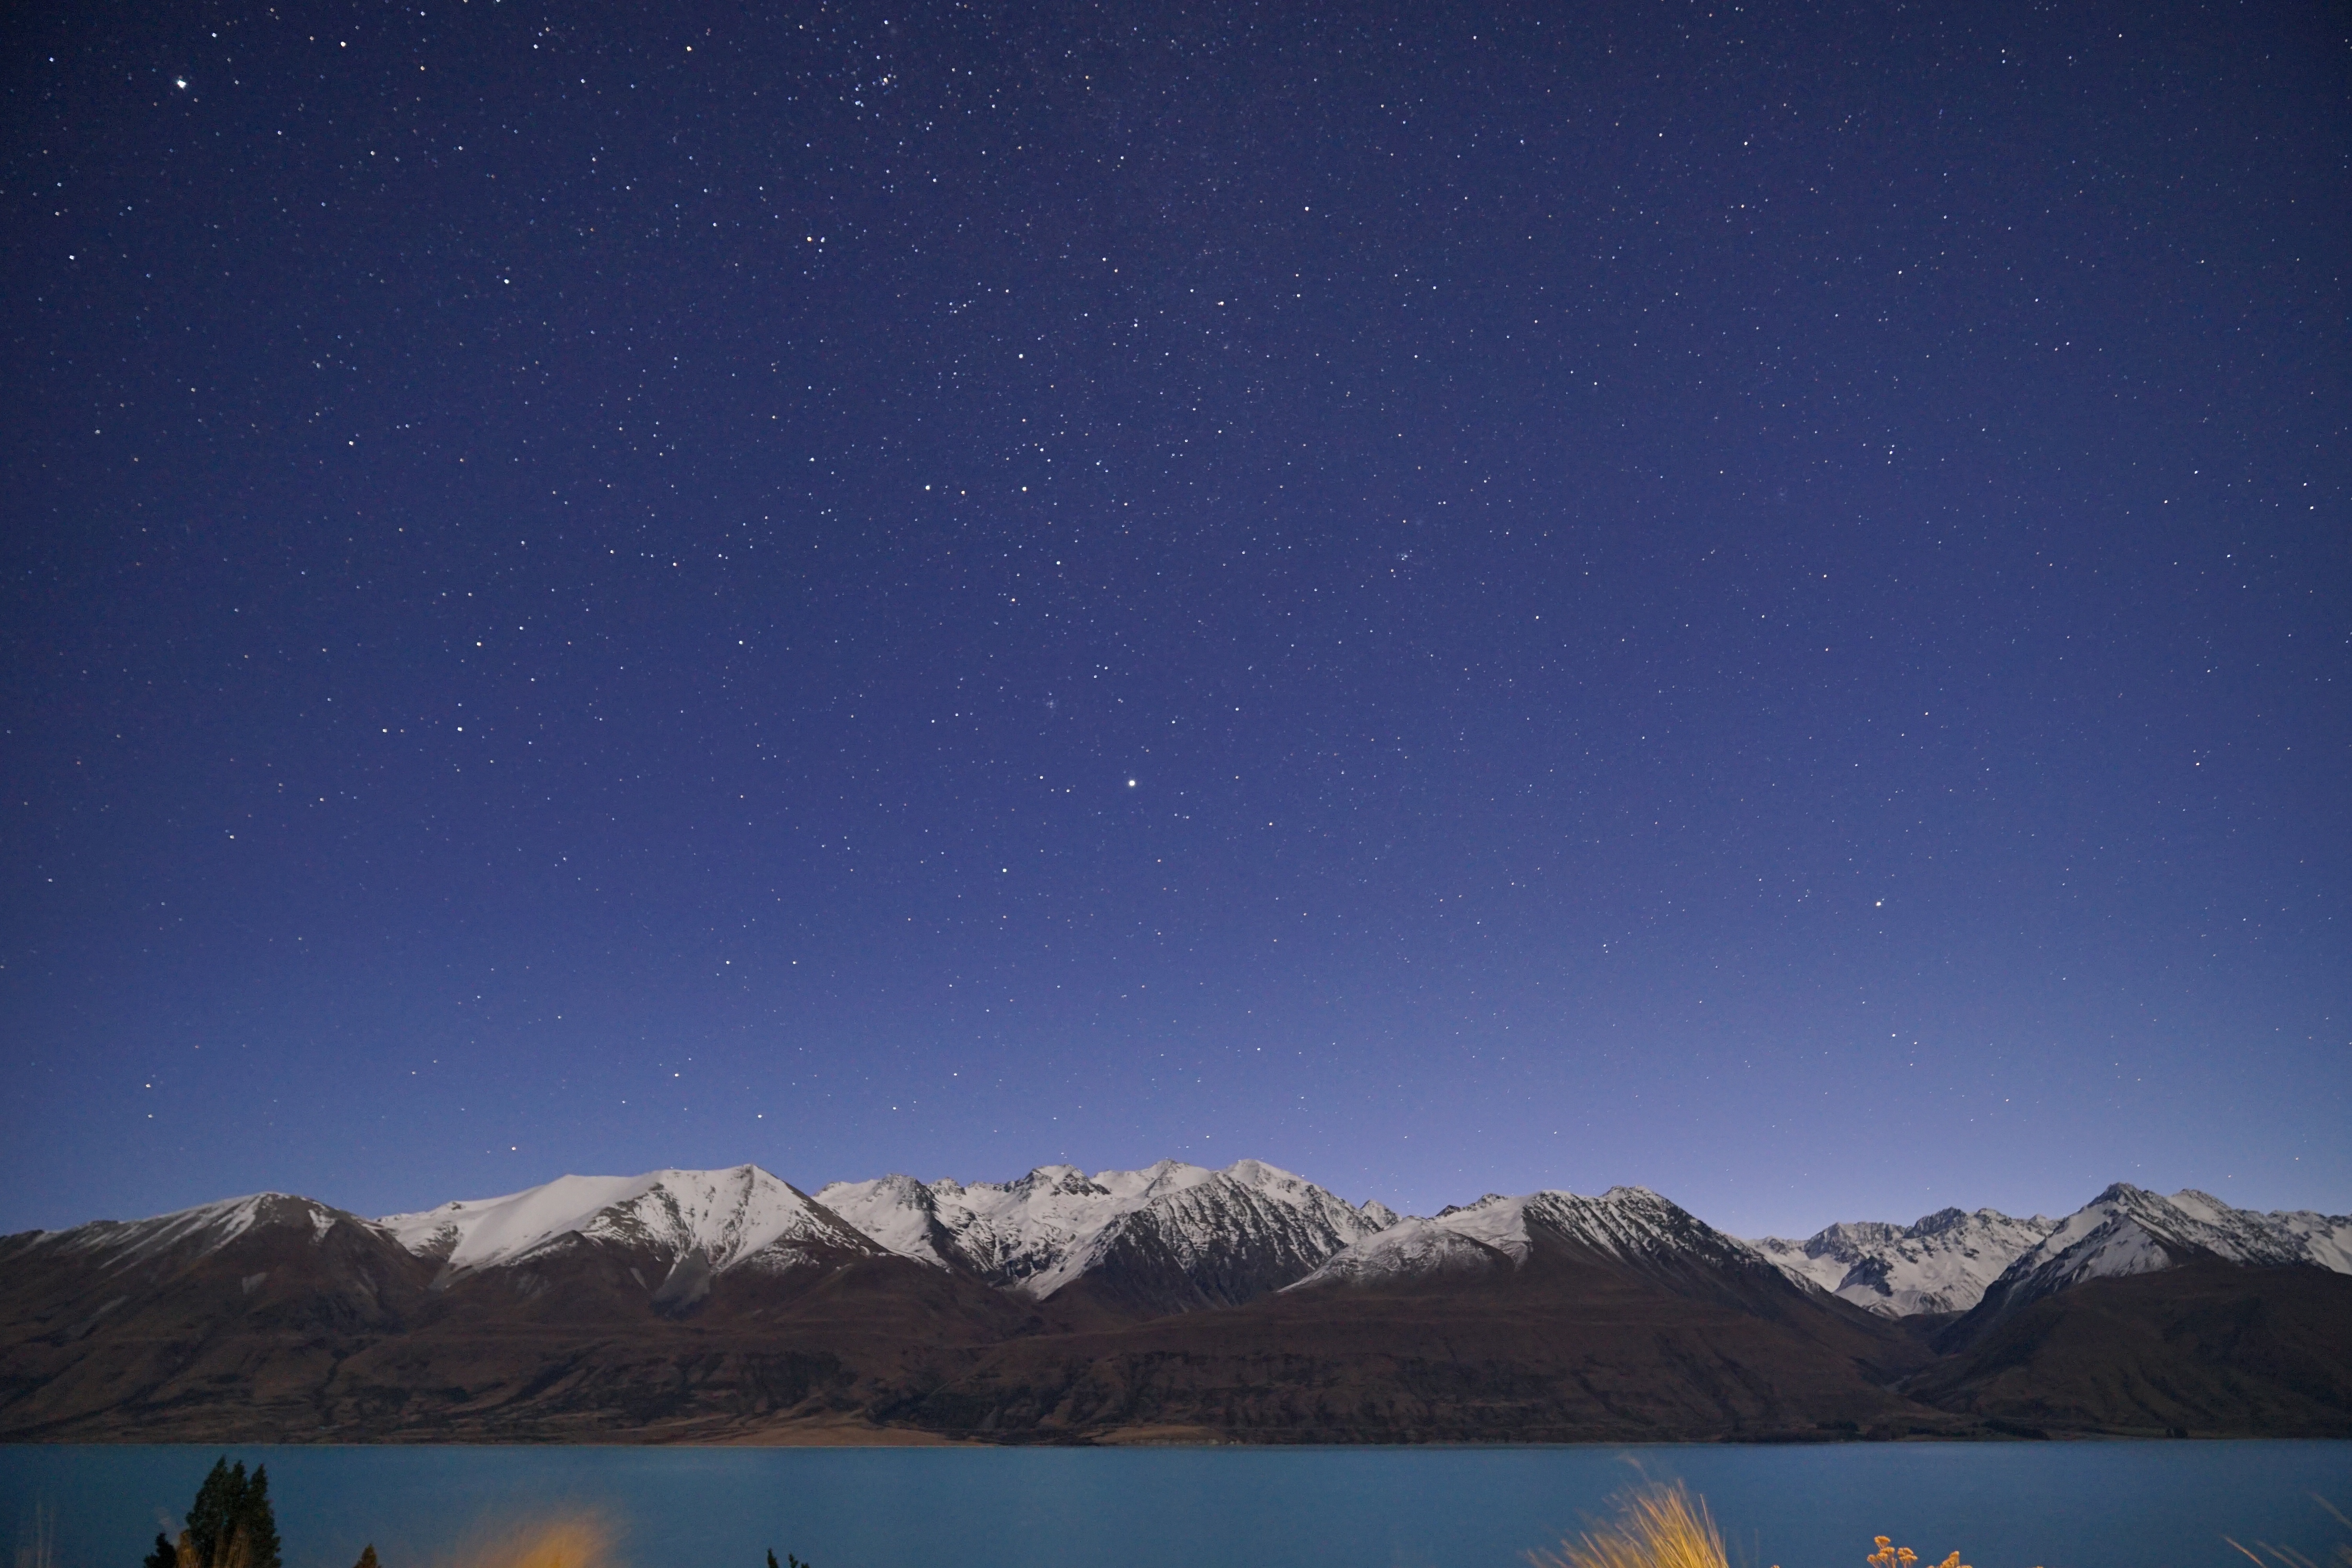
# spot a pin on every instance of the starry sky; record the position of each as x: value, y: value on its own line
x: 1749, y: 600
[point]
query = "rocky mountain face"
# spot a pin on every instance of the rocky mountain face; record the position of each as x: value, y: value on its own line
x: 583, y: 1309
x: 675, y: 1231
x: 1172, y: 1302
x: 112, y: 1326
x: 1633, y: 1226
x: 283, y: 1259
x: 1941, y: 1264
x: 2127, y: 1230
x: 1545, y: 1319
x: 1172, y: 1237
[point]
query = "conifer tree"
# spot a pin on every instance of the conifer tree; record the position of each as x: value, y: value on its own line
x: 256, y: 1524
x: 367, y: 1558
x: 230, y: 1525
x: 213, y: 1515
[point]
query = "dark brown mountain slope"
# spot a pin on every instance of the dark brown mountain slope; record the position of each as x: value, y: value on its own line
x: 816, y: 1346
x: 1576, y: 1345
x: 2211, y: 1349
x: 115, y: 1329
x: 290, y: 1322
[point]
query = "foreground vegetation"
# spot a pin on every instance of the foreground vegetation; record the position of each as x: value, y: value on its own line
x: 1665, y: 1527
x: 231, y: 1524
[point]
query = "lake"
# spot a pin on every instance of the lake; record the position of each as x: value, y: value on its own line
x: 2020, y: 1505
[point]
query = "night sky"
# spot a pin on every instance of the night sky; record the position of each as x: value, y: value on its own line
x: 1752, y: 601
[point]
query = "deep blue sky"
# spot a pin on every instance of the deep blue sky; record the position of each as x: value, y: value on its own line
x: 1752, y: 601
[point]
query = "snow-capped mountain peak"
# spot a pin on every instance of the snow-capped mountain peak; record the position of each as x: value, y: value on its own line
x: 1416, y: 1247
x: 198, y: 1232
x: 730, y: 1217
x: 1035, y: 1236
x: 1007, y: 1231
x: 1943, y: 1263
x: 2130, y: 1230
x: 1633, y: 1225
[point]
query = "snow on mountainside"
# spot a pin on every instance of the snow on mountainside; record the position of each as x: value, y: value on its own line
x: 1942, y: 1264
x: 738, y: 1217
x: 191, y: 1232
x: 1247, y: 1230
x: 1632, y: 1223
x: 1035, y: 1236
x: 1176, y: 1238
x: 2327, y: 1238
x: 2130, y: 1230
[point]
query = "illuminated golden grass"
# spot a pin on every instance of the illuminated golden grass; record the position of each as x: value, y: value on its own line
x: 1657, y: 1527
x: 1665, y: 1527
x: 574, y: 1540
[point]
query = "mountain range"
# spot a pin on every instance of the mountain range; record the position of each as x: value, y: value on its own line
x: 1175, y: 1303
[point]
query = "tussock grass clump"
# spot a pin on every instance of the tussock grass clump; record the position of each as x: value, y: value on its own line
x: 1665, y: 1527
x: 2265, y: 1555
x: 1657, y: 1527
x: 582, y: 1541
x: 39, y: 1547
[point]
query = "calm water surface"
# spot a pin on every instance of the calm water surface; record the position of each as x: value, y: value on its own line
x: 2073, y: 1505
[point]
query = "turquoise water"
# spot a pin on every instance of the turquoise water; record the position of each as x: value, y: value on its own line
x: 2059, y: 1504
